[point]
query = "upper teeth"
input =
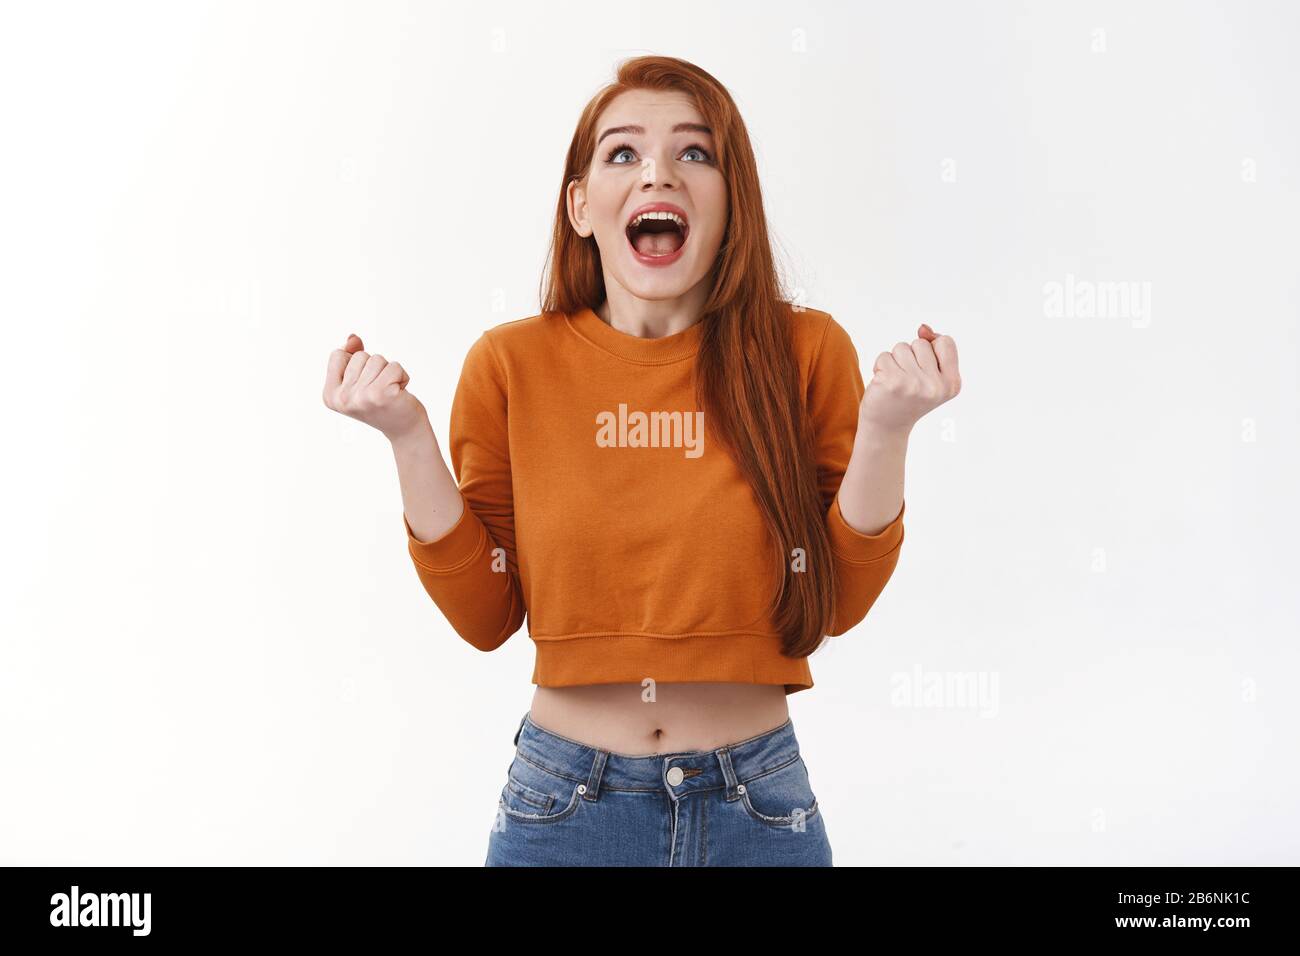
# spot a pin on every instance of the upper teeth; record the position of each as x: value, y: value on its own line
x: 658, y: 215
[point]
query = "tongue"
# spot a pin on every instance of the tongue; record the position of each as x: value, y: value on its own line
x: 657, y: 243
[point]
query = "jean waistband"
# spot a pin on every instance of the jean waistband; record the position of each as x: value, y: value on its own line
x: 723, y: 766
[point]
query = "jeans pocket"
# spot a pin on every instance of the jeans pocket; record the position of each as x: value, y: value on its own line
x: 533, y: 794
x: 782, y: 797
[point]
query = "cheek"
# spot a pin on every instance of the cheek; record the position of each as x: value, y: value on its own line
x: 713, y: 235
x: 716, y: 214
x: 603, y: 207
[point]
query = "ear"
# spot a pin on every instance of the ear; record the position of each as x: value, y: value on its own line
x: 575, y: 200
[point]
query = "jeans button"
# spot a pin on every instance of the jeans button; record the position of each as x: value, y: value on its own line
x: 675, y: 775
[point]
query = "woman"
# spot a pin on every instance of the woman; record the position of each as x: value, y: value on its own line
x: 676, y: 576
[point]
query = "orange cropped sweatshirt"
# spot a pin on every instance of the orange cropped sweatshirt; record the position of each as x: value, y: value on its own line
x: 596, y: 504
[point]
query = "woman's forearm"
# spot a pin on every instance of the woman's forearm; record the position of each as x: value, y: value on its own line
x: 871, y: 492
x: 430, y: 496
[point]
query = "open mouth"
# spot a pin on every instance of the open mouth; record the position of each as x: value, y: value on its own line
x: 658, y: 233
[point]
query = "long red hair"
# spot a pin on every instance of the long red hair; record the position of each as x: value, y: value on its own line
x: 746, y: 376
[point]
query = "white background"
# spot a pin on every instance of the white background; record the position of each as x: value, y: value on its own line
x: 214, y: 646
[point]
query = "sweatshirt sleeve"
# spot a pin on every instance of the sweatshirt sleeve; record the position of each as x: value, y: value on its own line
x: 470, y: 571
x: 863, y: 563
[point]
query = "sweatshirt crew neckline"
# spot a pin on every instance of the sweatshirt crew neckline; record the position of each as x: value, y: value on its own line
x: 634, y: 348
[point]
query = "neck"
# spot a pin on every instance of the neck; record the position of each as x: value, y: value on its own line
x: 651, y: 318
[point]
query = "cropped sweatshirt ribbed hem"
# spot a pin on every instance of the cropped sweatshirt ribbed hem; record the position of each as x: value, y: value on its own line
x: 568, y: 660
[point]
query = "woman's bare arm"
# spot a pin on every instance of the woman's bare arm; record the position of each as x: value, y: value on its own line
x: 871, y: 493
x: 430, y: 496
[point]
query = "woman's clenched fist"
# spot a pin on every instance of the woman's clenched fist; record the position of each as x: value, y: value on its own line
x: 909, y: 381
x: 371, y: 389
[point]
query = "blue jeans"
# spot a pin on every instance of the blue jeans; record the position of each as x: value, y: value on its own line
x: 565, y: 803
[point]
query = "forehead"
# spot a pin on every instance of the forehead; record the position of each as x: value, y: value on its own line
x: 656, y: 110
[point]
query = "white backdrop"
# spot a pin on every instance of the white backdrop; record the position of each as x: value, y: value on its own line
x: 214, y: 646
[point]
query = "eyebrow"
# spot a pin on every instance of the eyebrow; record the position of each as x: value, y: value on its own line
x: 640, y: 130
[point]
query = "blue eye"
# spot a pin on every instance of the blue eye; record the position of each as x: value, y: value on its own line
x: 610, y: 157
x: 618, y: 150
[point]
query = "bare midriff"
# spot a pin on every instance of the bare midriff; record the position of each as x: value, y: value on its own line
x: 629, y: 719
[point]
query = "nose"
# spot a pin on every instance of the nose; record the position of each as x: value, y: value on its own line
x: 656, y: 171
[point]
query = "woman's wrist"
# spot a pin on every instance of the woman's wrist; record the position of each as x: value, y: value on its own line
x: 418, y: 436
x: 880, y: 436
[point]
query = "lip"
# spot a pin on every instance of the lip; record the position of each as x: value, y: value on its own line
x: 672, y: 256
